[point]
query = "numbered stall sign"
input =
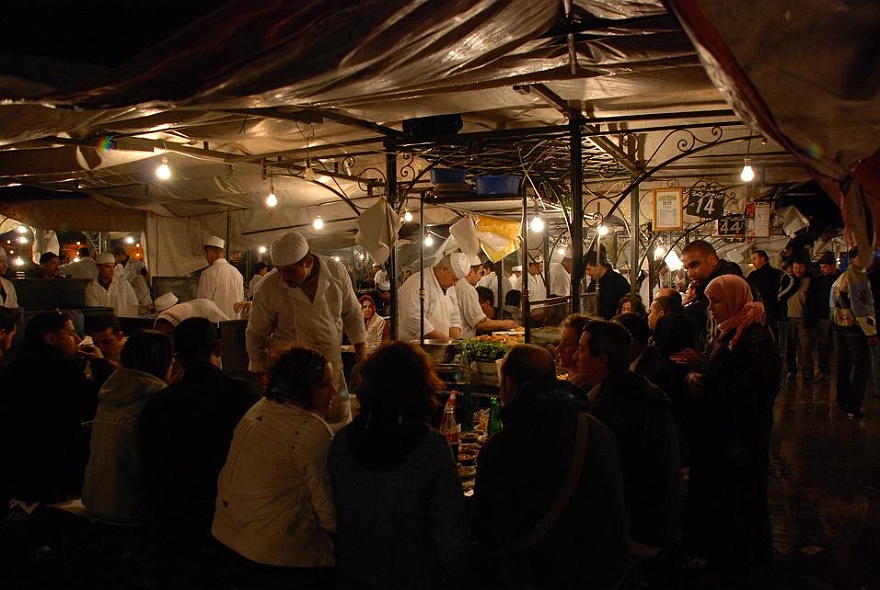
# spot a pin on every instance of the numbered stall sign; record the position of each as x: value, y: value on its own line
x: 706, y: 203
x: 732, y: 226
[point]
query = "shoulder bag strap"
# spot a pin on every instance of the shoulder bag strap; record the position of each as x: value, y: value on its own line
x: 562, y: 498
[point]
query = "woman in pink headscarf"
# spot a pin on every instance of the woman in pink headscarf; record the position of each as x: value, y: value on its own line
x: 726, y: 518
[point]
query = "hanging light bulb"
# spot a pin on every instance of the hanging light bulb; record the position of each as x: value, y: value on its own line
x: 603, y: 230
x: 561, y: 250
x: 429, y: 241
x: 336, y: 258
x: 407, y: 216
x: 22, y: 229
x: 162, y: 170
x: 18, y: 261
x: 747, y: 174
x: 271, y: 200
x: 659, y: 252
x: 537, y: 224
x: 318, y: 223
x: 262, y: 249
x: 129, y: 240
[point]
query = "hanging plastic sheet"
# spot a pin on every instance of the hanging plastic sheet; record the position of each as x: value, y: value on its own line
x: 498, y: 237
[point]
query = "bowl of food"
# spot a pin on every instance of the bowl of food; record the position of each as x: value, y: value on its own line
x: 441, y: 351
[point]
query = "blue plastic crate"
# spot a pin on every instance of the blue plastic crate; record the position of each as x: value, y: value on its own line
x: 447, y: 175
x: 498, y: 184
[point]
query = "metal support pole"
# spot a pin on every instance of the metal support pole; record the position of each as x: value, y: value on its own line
x: 391, y: 266
x: 634, y: 241
x: 526, y: 312
x: 577, y: 214
x: 422, y: 294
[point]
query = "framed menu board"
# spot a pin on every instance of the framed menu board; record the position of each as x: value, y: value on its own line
x: 667, y: 209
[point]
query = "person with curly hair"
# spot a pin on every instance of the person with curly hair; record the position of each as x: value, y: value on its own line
x: 400, y: 505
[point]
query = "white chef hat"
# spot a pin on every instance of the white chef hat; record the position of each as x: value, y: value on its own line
x: 165, y: 301
x: 215, y: 242
x: 105, y: 258
x: 460, y: 263
x: 288, y: 249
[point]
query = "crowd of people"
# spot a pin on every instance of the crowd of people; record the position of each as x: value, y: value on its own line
x: 641, y: 436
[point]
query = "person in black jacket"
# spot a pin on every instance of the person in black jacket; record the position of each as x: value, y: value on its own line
x: 185, y: 434
x: 611, y: 285
x: 46, y: 397
x: 765, y: 279
x: 520, y: 472
x: 726, y: 516
x: 638, y: 413
x: 703, y: 264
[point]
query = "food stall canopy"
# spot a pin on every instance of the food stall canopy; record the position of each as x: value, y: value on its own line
x: 314, y: 99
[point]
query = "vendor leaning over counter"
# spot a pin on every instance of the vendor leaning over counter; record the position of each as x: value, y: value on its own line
x: 307, y: 298
x: 442, y: 319
x: 473, y: 318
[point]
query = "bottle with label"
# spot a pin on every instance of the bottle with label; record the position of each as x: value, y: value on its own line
x: 449, y: 426
x: 494, y: 419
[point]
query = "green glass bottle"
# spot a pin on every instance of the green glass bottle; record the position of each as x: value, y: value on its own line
x: 494, y: 419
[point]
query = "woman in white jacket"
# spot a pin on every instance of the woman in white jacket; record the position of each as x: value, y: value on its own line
x: 274, y: 502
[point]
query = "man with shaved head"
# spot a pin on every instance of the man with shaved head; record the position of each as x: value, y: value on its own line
x: 525, y: 467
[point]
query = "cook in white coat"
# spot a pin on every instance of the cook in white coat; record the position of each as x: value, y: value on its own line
x: 560, y: 278
x: 307, y: 299
x: 8, y: 297
x: 220, y: 282
x: 109, y: 291
x: 473, y: 317
x: 442, y: 319
x: 515, y: 278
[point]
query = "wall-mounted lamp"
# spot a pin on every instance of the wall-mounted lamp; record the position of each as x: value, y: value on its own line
x: 318, y: 223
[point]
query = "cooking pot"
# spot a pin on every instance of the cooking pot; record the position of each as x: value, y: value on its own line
x: 441, y: 350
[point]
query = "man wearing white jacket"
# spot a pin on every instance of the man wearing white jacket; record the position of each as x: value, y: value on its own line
x: 220, y: 282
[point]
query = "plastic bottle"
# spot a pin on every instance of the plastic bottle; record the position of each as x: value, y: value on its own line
x: 449, y: 426
x: 494, y: 419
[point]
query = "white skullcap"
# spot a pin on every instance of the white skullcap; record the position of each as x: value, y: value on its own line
x: 215, y: 242
x: 516, y: 268
x: 288, y: 249
x: 383, y: 285
x: 165, y: 301
x: 105, y: 258
x: 475, y: 260
x: 461, y: 265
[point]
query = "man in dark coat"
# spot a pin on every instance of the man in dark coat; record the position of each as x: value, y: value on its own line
x: 703, y: 264
x: 185, y: 433
x: 765, y: 279
x: 639, y: 414
x: 611, y: 285
x: 46, y: 397
x: 520, y: 473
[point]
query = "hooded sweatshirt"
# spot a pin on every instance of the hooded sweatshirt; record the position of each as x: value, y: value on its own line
x: 114, y: 488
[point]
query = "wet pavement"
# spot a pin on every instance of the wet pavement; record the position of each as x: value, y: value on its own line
x: 824, y: 490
